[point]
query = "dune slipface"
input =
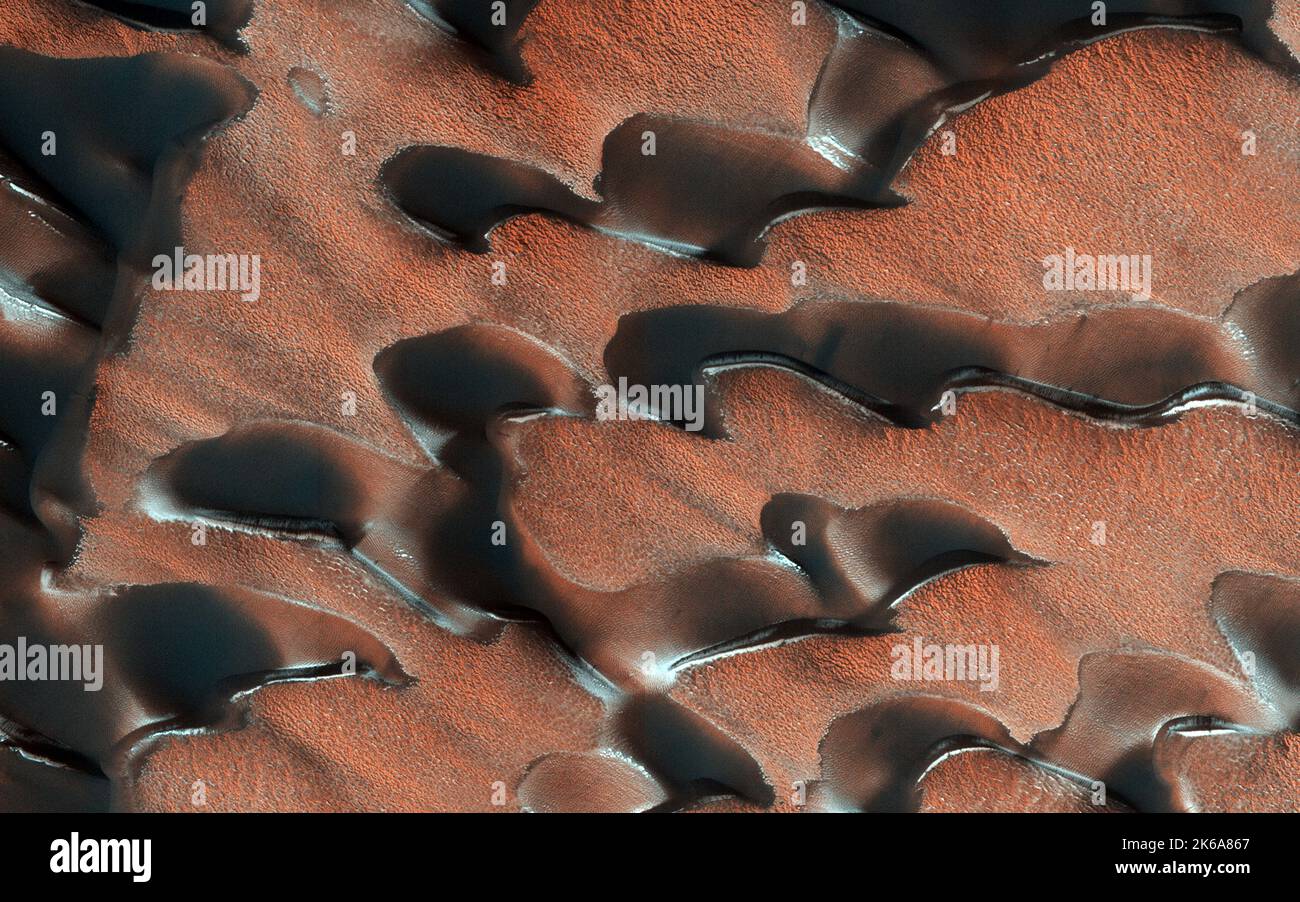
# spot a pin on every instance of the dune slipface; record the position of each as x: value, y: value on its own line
x: 1138, y: 363
x: 492, y: 28
x: 841, y: 406
x: 222, y: 19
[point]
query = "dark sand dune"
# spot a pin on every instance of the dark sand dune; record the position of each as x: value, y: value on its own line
x: 958, y: 53
x: 872, y: 759
x: 494, y: 32
x: 618, y: 616
x: 845, y: 572
x: 222, y: 19
x: 1127, y: 363
x: 661, y: 757
x: 35, y: 786
x: 1260, y: 617
x: 706, y: 190
x: 128, y: 134
x: 94, y: 157
x: 713, y: 190
x: 1127, y: 705
x: 51, y: 258
x: 172, y: 656
x: 879, y: 554
x: 849, y: 567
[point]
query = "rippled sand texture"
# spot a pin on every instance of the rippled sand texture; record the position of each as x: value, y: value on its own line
x: 370, y: 541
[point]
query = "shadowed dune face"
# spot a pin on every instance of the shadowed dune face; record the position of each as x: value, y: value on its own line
x: 1260, y: 617
x: 908, y: 551
x: 492, y: 28
x: 1135, y: 363
x: 145, y: 659
x: 829, y: 569
x: 710, y: 191
x: 131, y: 129
x: 976, y: 46
x: 1128, y: 705
x: 894, y: 74
x: 52, y: 260
x: 81, y: 222
x: 222, y: 19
